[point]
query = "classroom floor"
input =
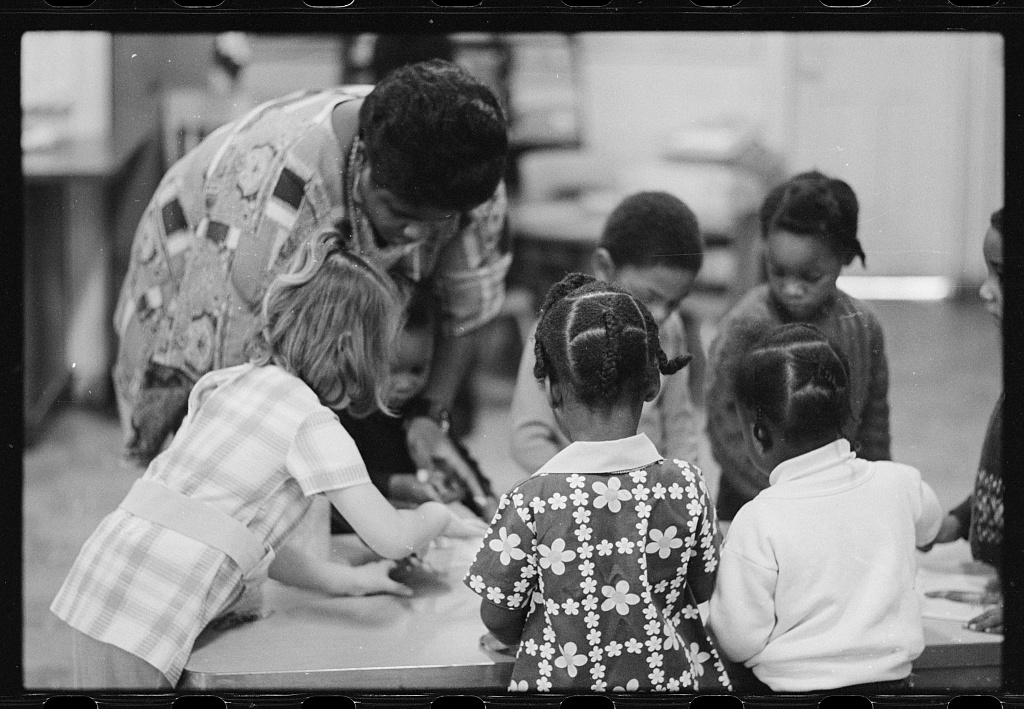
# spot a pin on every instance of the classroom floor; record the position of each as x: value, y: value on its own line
x: 945, y: 376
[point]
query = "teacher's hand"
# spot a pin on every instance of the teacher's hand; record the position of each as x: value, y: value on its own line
x: 429, y: 445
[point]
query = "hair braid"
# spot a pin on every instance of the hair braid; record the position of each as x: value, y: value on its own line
x: 610, y: 365
x: 563, y: 288
x: 670, y: 366
x: 599, y: 340
x: 793, y: 377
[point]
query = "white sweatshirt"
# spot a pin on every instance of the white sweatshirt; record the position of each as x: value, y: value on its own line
x: 816, y: 585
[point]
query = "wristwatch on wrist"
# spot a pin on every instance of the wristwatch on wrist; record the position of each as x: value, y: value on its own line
x: 426, y: 408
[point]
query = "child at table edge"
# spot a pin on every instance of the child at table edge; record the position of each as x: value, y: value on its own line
x: 596, y: 563
x: 815, y: 591
x: 260, y: 439
x: 381, y: 437
x: 809, y: 230
x: 979, y: 518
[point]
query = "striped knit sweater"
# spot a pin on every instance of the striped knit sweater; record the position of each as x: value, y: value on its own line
x: 851, y: 327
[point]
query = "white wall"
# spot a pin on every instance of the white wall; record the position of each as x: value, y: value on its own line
x: 70, y: 69
x: 912, y: 121
x: 639, y: 87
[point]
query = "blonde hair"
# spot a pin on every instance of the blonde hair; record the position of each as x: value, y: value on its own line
x: 331, y: 319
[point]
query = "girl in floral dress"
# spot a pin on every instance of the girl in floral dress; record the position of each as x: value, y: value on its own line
x: 596, y: 563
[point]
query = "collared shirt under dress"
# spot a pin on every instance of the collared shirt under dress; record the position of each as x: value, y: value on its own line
x: 224, y: 222
x: 671, y: 420
x: 816, y: 585
x: 851, y: 327
x: 256, y: 444
x: 602, y: 545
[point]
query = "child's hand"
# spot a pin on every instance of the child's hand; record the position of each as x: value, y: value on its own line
x: 407, y: 487
x: 470, y: 527
x: 368, y: 579
x: 446, y: 483
x: 949, y: 531
x: 488, y: 507
x: 489, y: 642
x: 991, y: 621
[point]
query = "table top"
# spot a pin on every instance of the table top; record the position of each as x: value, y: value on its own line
x: 431, y: 640
x: 428, y: 641
x: 947, y: 642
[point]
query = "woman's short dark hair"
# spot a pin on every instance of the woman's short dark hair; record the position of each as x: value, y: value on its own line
x: 814, y: 204
x: 434, y: 136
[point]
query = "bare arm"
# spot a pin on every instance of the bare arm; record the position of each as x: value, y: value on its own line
x: 453, y: 357
x: 505, y: 625
x: 395, y: 534
x: 296, y: 567
x: 424, y: 436
x: 678, y: 414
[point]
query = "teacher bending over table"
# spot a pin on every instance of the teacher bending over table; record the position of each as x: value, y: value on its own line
x: 409, y: 172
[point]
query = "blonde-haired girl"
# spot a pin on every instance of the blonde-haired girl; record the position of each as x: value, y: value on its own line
x: 259, y: 440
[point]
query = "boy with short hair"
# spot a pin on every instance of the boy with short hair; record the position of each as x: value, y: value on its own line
x: 651, y: 246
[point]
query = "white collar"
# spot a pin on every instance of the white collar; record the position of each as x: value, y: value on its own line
x: 603, y: 456
x: 828, y: 456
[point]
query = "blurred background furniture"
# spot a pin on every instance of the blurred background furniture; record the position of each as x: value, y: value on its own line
x: 90, y: 161
x: 567, y: 195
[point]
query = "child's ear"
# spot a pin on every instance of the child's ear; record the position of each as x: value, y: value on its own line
x: 763, y: 437
x: 652, y: 389
x: 602, y: 264
x: 554, y: 393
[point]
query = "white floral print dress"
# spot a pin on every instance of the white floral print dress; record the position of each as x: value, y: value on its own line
x: 602, y: 545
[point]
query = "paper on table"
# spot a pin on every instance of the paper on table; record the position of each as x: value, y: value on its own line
x: 941, y: 608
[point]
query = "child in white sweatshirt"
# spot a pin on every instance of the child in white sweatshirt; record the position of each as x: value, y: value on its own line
x: 815, y: 590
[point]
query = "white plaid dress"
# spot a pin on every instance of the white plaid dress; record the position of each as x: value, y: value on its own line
x: 256, y: 444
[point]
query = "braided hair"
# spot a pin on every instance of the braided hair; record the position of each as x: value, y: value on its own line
x: 599, y: 340
x: 794, y: 378
x: 813, y: 204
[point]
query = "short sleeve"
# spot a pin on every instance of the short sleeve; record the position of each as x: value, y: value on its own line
x: 323, y: 456
x: 505, y: 569
x: 709, y: 539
